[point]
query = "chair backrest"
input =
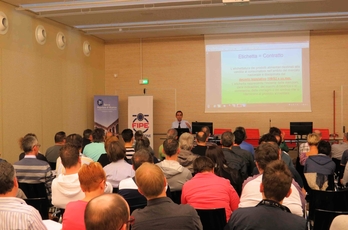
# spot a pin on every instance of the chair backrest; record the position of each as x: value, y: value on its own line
x: 324, y: 218
x: 253, y: 136
x: 176, y: 196
x: 221, y: 131
x: 37, y: 197
x: 328, y: 200
x: 212, y: 218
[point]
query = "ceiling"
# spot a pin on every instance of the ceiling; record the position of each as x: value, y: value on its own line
x: 123, y: 19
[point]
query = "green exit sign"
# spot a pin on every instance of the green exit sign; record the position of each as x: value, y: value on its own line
x: 143, y: 81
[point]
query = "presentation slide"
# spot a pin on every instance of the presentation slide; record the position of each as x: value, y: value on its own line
x: 259, y: 73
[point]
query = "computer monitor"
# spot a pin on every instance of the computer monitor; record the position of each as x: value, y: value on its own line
x: 301, y: 128
x: 197, y: 126
x: 182, y: 130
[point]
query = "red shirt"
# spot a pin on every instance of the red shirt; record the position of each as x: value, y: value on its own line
x: 73, y: 218
x: 206, y: 190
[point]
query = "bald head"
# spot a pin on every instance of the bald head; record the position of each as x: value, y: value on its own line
x: 150, y: 180
x: 107, y: 212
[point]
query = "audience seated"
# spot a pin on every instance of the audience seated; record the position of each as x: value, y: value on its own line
x: 269, y: 213
x: 104, y: 159
x: 39, y: 156
x: 337, y: 149
x: 160, y: 212
x: 207, y: 190
x: 96, y: 148
x: 234, y: 161
x: 14, y: 212
x: 75, y: 140
x: 92, y: 182
x: 186, y: 157
x: 107, y: 212
x: 251, y: 196
x: 312, y: 140
x: 176, y: 174
x: 128, y: 138
x: 245, y: 145
x: 247, y: 156
x: 318, y: 167
x: 144, y: 143
x: 280, y: 137
x: 171, y: 133
x: 201, y: 147
x: 52, y: 153
x: 87, y: 138
x: 304, y: 147
x: 221, y: 168
x: 118, y: 169
x: 30, y: 170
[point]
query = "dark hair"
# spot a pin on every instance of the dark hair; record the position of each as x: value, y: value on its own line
x: 127, y: 135
x: 215, y: 154
x: 75, y: 139
x: 179, y: 111
x: 143, y: 143
x: 138, y: 135
x: 227, y: 139
x: 141, y: 156
x: 268, y: 137
x: 69, y: 155
x: 98, y: 135
x: 276, y: 180
x: 170, y: 146
x: 238, y: 136
x: 59, y: 137
x: 207, y: 130
x: 7, y: 175
x: 202, y: 164
x: 243, y: 130
x: 276, y: 132
x: 266, y: 153
x: 201, y: 136
x: 324, y: 147
x: 87, y: 133
x: 116, y: 151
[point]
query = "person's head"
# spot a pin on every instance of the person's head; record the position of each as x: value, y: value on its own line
x: 92, y: 177
x: 265, y: 153
x: 60, y: 137
x: 313, y: 139
x: 8, y: 181
x: 75, y: 139
x: 172, y: 133
x: 107, y: 212
x: 29, y: 144
x: 109, y: 140
x: 277, y: 133
x: 87, y: 134
x: 70, y: 156
x: 318, y: 132
x: 138, y: 135
x: 268, y: 137
x: 345, y: 137
x: 116, y: 151
x: 186, y: 141
x: 276, y: 181
x: 206, y: 130
x: 203, y: 164
x: 143, y: 143
x: 179, y: 114
x: 150, y: 180
x: 243, y: 130
x: 227, y: 139
x: 21, y: 139
x: 215, y: 154
x: 141, y: 156
x: 127, y: 135
x: 238, y: 136
x: 98, y: 135
x: 324, y: 147
x: 201, y: 137
x: 170, y: 146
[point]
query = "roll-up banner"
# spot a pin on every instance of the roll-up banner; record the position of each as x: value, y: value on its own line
x: 106, y: 113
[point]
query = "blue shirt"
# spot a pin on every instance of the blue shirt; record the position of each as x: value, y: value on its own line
x: 248, y: 147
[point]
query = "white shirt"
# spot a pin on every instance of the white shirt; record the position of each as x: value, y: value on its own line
x: 183, y: 125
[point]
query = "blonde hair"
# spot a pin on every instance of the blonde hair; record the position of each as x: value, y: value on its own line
x: 90, y: 176
x: 313, y: 139
x: 150, y: 180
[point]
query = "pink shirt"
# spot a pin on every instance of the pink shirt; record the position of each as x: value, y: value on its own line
x: 73, y: 218
x: 206, y: 190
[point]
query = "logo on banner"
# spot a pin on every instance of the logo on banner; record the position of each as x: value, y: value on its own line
x: 140, y: 122
x: 100, y: 102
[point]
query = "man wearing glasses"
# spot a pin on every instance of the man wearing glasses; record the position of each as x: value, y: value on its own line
x: 31, y: 170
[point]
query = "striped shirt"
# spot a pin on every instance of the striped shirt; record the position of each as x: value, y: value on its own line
x: 129, y: 152
x: 16, y: 214
x: 33, y: 171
